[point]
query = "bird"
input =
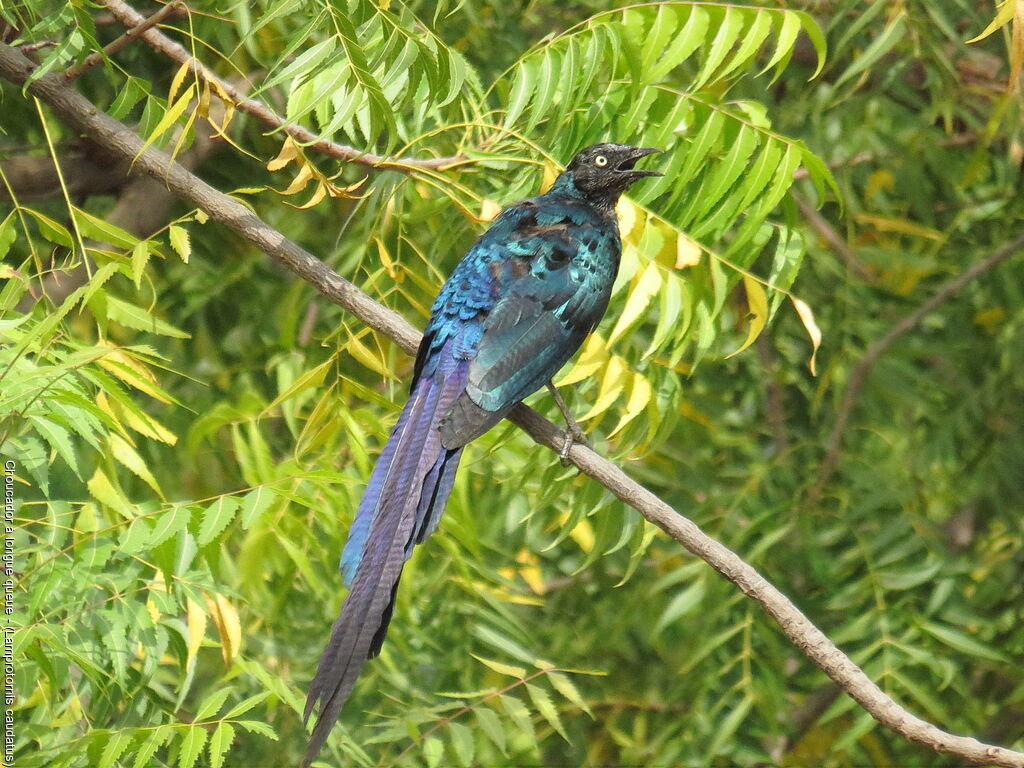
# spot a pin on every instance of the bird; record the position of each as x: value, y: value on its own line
x: 512, y: 313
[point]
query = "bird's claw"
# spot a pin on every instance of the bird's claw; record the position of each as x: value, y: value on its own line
x: 573, y: 434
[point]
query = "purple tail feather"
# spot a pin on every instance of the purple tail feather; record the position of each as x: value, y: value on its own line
x: 402, y: 505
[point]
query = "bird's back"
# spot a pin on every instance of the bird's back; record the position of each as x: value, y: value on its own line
x: 520, y: 304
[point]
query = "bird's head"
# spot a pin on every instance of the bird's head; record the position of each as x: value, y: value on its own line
x: 602, y: 172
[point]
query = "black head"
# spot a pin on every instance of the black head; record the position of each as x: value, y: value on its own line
x: 602, y: 172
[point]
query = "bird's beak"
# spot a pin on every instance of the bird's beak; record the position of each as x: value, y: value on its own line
x: 627, y: 165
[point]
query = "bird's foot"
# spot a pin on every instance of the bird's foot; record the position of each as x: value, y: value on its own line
x: 573, y: 434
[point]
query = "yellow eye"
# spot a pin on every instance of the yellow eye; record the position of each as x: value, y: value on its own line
x: 600, y: 161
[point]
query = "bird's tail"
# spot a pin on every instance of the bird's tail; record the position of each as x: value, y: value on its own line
x: 401, y: 507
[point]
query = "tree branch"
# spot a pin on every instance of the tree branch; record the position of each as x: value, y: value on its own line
x: 830, y: 236
x: 87, y: 170
x: 83, y: 116
x: 130, y: 34
x: 159, y: 42
x: 876, y: 350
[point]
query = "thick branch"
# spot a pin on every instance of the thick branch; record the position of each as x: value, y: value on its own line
x: 79, y: 113
x: 85, y: 171
x: 172, y: 50
x: 880, y: 347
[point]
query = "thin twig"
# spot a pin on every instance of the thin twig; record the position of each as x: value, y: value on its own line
x: 838, y: 244
x: 33, y: 47
x: 176, y: 52
x: 82, y: 115
x: 130, y: 34
x: 876, y: 350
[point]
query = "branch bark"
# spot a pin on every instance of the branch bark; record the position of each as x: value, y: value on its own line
x: 83, y: 116
x: 880, y: 347
x: 162, y: 44
x: 130, y: 34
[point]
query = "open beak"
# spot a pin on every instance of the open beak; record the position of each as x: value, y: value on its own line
x: 635, y: 154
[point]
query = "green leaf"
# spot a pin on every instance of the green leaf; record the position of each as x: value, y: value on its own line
x: 681, y: 605
x: 180, y: 242
x: 140, y: 257
x: 462, y: 743
x: 212, y: 704
x: 561, y: 683
x: 144, y: 755
x: 169, y: 524
x: 220, y: 743
x: 547, y: 708
x: 960, y: 642
x: 58, y: 438
x: 115, y: 747
x: 191, y: 746
x: 880, y: 46
x: 135, y: 317
x: 122, y: 450
x: 255, y: 503
x: 216, y: 518
x: 136, y: 536
x: 490, y: 725
x: 246, y: 704
x: 505, y: 669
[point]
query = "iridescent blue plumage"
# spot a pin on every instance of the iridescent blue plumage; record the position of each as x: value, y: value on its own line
x: 513, y: 312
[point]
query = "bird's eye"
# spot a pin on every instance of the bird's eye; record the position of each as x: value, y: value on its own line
x: 600, y: 161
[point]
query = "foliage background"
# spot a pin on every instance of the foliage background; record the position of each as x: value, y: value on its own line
x: 193, y: 426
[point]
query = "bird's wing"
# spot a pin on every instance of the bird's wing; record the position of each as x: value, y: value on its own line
x: 548, y: 302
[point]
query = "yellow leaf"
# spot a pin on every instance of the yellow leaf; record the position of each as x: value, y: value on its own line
x: 131, y: 371
x: 757, y: 302
x: 225, y: 618
x: 103, y: 490
x: 314, y: 377
x: 196, y: 630
x: 639, y: 298
x: 887, y: 224
x: 489, y: 210
x: 687, y: 252
x: 807, y: 318
x: 1004, y: 13
x: 593, y: 357
x: 530, y: 571
x: 179, y: 78
x: 877, y: 181
x: 1017, y: 44
x: 174, y: 111
x: 386, y: 260
x: 629, y: 215
x: 501, y: 668
x: 612, y: 384
x: 362, y: 353
x: 204, y: 101
x: 300, y: 181
x: 639, y: 397
x: 991, y: 317
x: 583, y: 535
x: 121, y: 450
x: 550, y: 174
x: 318, y: 195
x: 289, y: 151
x: 143, y: 424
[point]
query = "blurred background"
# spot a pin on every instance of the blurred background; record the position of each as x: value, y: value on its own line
x: 193, y: 425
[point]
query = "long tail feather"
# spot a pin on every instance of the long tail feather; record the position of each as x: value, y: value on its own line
x: 402, y: 505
